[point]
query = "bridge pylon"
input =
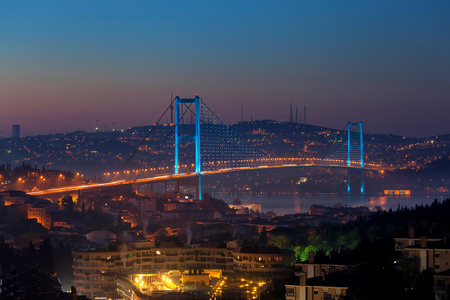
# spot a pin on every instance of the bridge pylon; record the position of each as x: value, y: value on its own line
x: 190, y: 139
x: 355, y: 152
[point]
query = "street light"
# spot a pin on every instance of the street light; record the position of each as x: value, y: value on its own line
x: 40, y: 179
x: 18, y: 181
x: 60, y: 176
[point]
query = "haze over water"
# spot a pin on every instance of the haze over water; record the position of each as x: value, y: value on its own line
x: 283, y: 205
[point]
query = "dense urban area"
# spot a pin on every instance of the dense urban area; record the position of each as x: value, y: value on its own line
x: 147, y: 242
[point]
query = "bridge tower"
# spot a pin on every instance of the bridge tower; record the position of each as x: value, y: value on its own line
x: 355, y: 152
x: 192, y: 138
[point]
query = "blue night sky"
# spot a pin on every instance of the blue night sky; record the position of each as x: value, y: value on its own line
x: 64, y: 64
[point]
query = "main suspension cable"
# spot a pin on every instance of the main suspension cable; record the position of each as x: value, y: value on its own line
x: 143, y: 140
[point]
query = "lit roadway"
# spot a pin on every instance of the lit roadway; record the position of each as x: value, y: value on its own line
x: 162, y: 178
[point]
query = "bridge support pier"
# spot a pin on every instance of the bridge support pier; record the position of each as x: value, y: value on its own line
x: 351, y: 172
x: 198, y: 193
x: 362, y: 182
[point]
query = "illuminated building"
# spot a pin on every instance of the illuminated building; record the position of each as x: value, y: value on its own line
x: 37, y: 208
x: 95, y: 268
x: 39, y: 211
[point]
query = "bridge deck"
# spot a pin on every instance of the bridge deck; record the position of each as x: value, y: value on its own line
x: 162, y: 178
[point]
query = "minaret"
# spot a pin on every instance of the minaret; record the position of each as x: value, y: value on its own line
x: 290, y: 114
x: 242, y: 113
x: 304, y: 114
x: 296, y: 113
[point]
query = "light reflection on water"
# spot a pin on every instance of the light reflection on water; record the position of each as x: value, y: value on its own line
x: 300, y: 204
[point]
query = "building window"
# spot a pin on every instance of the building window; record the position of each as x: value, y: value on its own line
x: 436, y: 255
x: 437, y: 267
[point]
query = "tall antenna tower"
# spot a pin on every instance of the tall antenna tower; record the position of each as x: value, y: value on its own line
x: 290, y: 114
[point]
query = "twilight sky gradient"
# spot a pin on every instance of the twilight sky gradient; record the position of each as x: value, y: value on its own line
x: 64, y: 64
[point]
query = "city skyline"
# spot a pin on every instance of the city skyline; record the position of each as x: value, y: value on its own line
x: 65, y: 65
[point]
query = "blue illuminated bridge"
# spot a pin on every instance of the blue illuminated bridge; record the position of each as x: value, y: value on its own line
x: 217, y: 149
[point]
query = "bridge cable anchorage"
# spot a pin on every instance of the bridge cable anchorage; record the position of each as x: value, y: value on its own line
x: 143, y: 140
x: 162, y: 143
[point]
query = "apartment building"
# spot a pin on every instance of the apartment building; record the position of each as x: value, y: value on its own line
x: 328, y: 287
x: 321, y: 266
x: 428, y: 254
x: 95, y: 267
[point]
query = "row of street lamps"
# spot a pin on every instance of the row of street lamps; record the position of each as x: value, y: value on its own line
x: 21, y: 182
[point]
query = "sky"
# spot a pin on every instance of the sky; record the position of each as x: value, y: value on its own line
x: 65, y: 64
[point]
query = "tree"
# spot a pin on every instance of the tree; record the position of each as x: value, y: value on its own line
x: 263, y: 236
x: 280, y: 241
x: 298, y: 253
x: 236, y: 202
x: 424, y: 285
x: 308, y: 249
x: 46, y: 256
x: 31, y: 254
x: 408, y: 267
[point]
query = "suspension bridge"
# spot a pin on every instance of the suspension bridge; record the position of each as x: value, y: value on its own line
x: 208, y: 146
